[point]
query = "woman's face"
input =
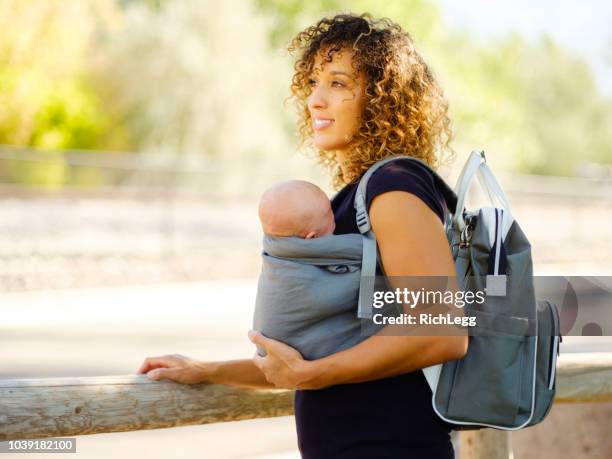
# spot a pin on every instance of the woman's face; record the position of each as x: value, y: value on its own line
x: 336, y: 102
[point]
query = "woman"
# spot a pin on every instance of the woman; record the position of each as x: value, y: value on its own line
x: 364, y: 94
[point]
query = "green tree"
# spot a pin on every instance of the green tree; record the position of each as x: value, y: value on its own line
x: 195, y: 76
x: 45, y: 98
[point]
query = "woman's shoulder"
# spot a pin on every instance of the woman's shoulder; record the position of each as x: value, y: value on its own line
x: 410, y: 176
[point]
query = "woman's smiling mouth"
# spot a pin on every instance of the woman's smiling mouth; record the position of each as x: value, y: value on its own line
x: 321, y: 123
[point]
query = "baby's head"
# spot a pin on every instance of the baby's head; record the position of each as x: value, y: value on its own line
x: 296, y: 208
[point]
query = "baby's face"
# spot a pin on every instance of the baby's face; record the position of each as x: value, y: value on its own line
x: 322, y: 224
x: 296, y: 209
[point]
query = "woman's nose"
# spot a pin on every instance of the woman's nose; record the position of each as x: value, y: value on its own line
x: 317, y: 98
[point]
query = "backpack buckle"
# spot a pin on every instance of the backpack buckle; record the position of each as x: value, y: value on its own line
x: 363, y: 221
x: 466, y: 236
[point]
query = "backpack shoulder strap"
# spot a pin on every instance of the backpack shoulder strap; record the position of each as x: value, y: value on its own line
x: 369, y: 256
x: 363, y: 220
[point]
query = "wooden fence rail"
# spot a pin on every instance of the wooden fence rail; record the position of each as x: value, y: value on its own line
x: 62, y: 407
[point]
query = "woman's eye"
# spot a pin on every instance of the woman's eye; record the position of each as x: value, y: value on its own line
x: 337, y: 84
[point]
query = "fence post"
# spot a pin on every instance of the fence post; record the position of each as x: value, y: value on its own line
x: 484, y: 444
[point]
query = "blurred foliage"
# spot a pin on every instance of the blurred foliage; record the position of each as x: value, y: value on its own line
x: 198, y: 84
x: 207, y: 77
x: 46, y: 99
x: 155, y: 5
x: 420, y: 17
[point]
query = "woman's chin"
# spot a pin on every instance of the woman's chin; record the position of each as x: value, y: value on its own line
x: 328, y: 144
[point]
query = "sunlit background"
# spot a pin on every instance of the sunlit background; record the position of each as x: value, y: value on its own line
x: 136, y: 137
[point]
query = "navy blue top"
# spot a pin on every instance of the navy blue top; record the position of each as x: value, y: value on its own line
x: 386, y: 418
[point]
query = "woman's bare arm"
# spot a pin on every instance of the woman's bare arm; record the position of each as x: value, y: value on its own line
x: 412, y: 242
x: 241, y: 372
x: 185, y: 370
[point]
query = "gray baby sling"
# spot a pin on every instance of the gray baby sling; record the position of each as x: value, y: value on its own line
x: 308, y: 289
x: 307, y: 293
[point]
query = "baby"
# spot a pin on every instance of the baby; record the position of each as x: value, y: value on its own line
x: 296, y: 208
x: 308, y: 288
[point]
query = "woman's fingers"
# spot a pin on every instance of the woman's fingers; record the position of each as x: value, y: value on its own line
x: 161, y: 373
x: 264, y: 366
x: 259, y: 361
x: 151, y: 363
x: 257, y: 338
x: 269, y: 344
x: 175, y: 367
x: 281, y: 364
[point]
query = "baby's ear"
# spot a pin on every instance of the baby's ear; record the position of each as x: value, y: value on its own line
x: 311, y: 235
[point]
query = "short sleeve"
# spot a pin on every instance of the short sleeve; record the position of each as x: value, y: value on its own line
x: 410, y: 176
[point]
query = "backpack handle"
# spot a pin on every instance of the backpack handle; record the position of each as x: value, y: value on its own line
x: 476, y: 163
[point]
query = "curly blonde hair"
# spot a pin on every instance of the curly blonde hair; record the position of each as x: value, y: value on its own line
x: 405, y: 110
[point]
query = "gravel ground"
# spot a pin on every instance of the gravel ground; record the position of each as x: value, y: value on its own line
x: 58, y: 242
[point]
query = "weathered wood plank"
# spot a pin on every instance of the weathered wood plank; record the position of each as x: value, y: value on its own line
x: 484, y: 444
x: 39, y: 408
x: 584, y: 378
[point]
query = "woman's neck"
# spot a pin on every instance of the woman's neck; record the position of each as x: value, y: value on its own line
x: 342, y: 160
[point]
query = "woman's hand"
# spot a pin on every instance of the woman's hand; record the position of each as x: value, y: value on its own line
x: 174, y: 367
x: 282, y: 366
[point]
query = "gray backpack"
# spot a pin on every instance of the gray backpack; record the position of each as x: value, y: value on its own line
x: 507, y: 378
